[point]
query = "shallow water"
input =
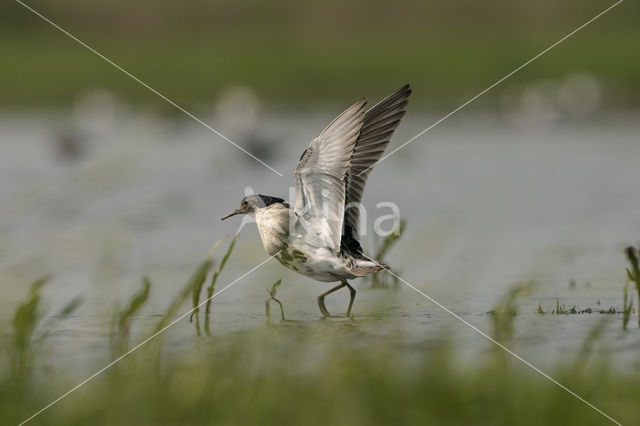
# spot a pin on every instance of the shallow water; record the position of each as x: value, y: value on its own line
x: 489, y: 203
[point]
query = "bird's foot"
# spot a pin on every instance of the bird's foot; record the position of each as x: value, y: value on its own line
x: 331, y: 316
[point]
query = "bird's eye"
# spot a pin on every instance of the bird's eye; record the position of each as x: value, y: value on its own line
x: 244, y: 202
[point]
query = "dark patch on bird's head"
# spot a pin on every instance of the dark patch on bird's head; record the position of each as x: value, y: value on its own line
x: 251, y: 203
x: 260, y: 200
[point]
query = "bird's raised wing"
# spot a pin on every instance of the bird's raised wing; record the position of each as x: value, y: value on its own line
x: 379, y: 124
x: 320, y: 178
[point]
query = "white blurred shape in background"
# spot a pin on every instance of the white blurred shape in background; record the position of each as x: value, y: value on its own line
x: 238, y: 108
x: 544, y: 102
x: 580, y: 95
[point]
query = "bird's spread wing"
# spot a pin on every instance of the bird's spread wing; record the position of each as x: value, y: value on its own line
x: 320, y: 178
x: 379, y: 124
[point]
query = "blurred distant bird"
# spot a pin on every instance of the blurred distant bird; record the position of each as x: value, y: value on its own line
x: 70, y: 144
x: 318, y: 237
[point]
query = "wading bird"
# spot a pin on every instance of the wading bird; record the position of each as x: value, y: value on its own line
x: 318, y: 236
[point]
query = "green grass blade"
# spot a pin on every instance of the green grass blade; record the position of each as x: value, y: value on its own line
x: 197, y: 289
x: 25, y: 321
x: 201, y: 271
x: 634, y: 274
x: 136, y: 303
x: 627, y: 306
x: 70, y: 307
x: 272, y: 296
x: 214, y: 279
x: 389, y: 241
x: 122, y: 327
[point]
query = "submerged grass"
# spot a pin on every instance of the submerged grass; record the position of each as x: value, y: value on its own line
x: 25, y: 321
x: 199, y: 274
x: 504, y: 312
x: 561, y: 309
x: 212, y: 285
x: 197, y: 289
x: 196, y: 286
x: 272, y: 296
x: 633, y: 275
x: 382, y: 246
x: 627, y: 306
x: 121, y: 324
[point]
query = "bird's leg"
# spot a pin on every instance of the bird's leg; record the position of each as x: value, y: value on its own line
x: 323, y: 308
x: 352, y: 291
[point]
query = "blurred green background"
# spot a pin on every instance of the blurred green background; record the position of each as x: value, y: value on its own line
x: 314, y: 52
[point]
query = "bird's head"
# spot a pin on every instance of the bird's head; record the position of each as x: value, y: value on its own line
x: 251, y: 203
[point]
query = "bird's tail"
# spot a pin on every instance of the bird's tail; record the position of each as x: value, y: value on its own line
x: 362, y: 267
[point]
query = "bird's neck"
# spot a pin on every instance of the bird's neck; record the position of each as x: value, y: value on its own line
x: 273, y: 225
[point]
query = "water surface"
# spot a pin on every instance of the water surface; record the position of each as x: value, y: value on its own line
x: 101, y: 202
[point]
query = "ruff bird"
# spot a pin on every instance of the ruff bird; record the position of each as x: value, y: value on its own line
x: 318, y: 235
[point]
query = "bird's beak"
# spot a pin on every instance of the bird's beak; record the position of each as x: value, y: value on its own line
x: 233, y: 213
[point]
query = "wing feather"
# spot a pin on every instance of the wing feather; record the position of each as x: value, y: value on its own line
x: 377, y: 129
x: 320, y: 179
